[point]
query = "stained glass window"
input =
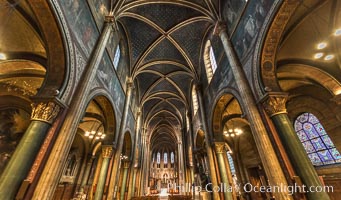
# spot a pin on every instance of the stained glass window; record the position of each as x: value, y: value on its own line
x: 165, y: 160
x: 213, y: 60
x: 117, y: 56
x: 233, y: 170
x: 315, y: 140
x: 158, y: 158
x: 194, y: 100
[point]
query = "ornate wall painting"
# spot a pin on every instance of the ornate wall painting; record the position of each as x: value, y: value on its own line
x: 81, y: 23
x: 249, y: 26
x: 231, y: 12
x: 13, y: 124
x: 99, y: 9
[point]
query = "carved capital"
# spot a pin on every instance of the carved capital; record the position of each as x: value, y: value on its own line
x: 45, y: 111
x: 219, y: 27
x: 109, y: 18
x: 126, y: 164
x: 274, y: 103
x: 107, y: 151
x: 219, y: 147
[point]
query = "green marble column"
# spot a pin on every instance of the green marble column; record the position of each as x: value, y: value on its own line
x: 43, y: 114
x: 124, y: 179
x: 220, y: 151
x: 266, y: 151
x: 131, y: 190
x: 86, y: 173
x: 106, y: 154
x: 274, y: 104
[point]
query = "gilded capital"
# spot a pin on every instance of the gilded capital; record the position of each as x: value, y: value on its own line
x: 219, y: 147
x: 107, y: 151
x: 126, y: 164
x: 45, y: 111
x: 274, y: 103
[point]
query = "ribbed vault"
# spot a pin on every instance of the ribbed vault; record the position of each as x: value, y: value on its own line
x: 165, y: 42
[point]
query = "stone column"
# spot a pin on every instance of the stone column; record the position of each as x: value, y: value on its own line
x: 131, y: 190
x: 126, y: 165
x: 190, y: 149
x: 87, y: 172
x: 43, y: 115
x: 268, y: 156
x: 115, y: 173
x: 274, y: 104
x: 220, y: 153
x: 211, y: 164
x: 143, y: 165
x: 106, y: 154
x: 181, y: 166
x: 54, y: 166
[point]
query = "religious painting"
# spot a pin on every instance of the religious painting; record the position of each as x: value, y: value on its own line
x: 231, y: 12
x: 13, y: 124
x: 78, y: 15
x: 249, y: 26
x: 99, y: 9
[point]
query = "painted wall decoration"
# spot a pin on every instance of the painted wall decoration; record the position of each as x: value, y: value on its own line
x: 13, y: 124
x: 99, y: 9
x: 231, y: 12
x: 249, y: 26
x: 81, y: 23
x: 108, y: 78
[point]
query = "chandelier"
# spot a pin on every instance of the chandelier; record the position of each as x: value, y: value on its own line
x: 95, y: 132
x: 232, y: 132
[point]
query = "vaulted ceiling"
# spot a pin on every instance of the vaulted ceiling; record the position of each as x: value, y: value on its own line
x: 165, y: 43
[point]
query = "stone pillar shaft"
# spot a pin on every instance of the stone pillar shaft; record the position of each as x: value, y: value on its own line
x: 54, y: 166
x: 115, y: 169
x: 268, y: 156
x: 43, y: 114
x: 87, y: 172
x: 106, y: 154
x: 124, y: 179
x: 274, y: 104
x: 131, y: 189
x: 220, y: 151
x: 211, y: 163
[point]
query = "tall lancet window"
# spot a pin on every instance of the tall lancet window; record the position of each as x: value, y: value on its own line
x: 172, y: 159
x: 194, y: 100
x: 158, y: 159
x: 315, y: 140
x: 213, y: 60
x: 165, y: 158
x: 117, y: 56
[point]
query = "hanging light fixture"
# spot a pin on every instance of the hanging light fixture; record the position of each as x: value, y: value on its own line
x: 233, y: 131
x: 95, y: 131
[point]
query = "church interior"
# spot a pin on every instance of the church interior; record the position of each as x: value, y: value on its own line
x: 170, y: 99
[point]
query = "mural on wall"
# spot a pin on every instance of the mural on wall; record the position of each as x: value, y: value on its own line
x: 231, y: 12
x: 78, y: 15
x: 99, y: 9
x: 108, y: 78
x: 13, y: 124
x: 249, y: 26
